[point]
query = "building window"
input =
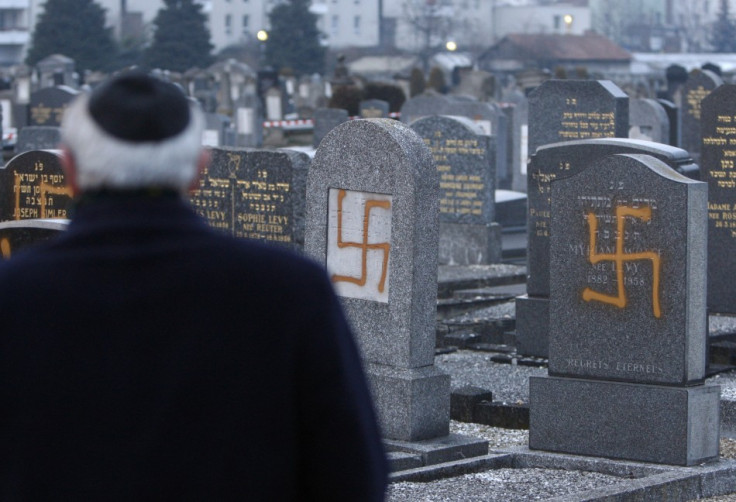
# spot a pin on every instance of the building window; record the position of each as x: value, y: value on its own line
x: 228, y: 24
x: 557, y: 22
x: 246, y: 21
x: 356, y: 25
x: 334, y: 24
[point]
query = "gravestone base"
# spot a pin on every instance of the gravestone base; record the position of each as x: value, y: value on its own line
x: 648, y: 423
x: 440, y: 450
x: 462, y: 244
x: 532, y: 326
x: 413, y: 404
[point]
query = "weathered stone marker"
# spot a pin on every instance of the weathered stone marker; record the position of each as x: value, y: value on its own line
x: 16, y: 235
x: 33, y: 186
x: 375, y: 184
x: 569, y: 110
x: 718, y: 125
x: 699, y: 84
x: 255, y: 194
x: 627, y: 318
x: 555, y: 162
x: 465, y: 160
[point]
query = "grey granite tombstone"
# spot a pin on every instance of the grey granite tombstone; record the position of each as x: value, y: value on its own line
x: 492, y: 121
x: 569, y: 110
x: 648, y: 121
x: 325, y: 120
x: 673, y: 115
x: 627, y: 318
x: 37, y: 138
x: 520, y: 150
x: 699, y: 84
x: 718, y: 156
x: 16, y: 235
x: 423, y: 105
x: 465, y: 162
x: 374, y: 109
x: 48, y: 105
x: 554, y: 162
x: 375, y: 184
x: 249, y: 123
x: 255, y: 194
x: 33, y: 186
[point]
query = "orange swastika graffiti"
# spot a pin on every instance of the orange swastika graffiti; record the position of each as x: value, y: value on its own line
x: 619, y: 257
x: 364, y: 246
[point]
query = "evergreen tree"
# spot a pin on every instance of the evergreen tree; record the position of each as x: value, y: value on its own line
x: 76, y: 29
x: 294, y: 40
x: 723, y: 35
x: 181, y: 40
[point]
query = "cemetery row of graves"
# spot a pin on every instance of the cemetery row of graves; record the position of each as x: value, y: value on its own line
x: 631, y: 229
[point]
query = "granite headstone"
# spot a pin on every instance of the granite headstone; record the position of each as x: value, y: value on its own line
x: 48, y: 105
x: 255, y: 194
x: 33, y: 186
x: 374, y: 109
x: 699, y: 84
x: 375, y: 184
x: 37, y: 138
x: 16, y: 235
x: 569, y: 110
x: 554, y: 162
x: 325, y: 120
x: 520, y: 136
x: 718, y: 159
x: 627, y: 318
x: 464, y: 158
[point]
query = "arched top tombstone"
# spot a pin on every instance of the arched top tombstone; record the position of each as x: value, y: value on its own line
x: 33, y: 186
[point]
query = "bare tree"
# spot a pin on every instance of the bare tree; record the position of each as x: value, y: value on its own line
x: 431, y: 22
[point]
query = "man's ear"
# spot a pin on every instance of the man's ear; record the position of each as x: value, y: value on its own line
x: 202, y: 162
x: 69, y: 166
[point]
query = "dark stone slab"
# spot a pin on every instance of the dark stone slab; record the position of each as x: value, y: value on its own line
x: 562, y: 160
x: 465, y: 163
x: 48, y: 105
x: 532, y: 326
x: 33, y: 186
x: 673, y: 115
x: 649, y: 423
x: 627, y: 276
x: 718, y: 158
x: 325, y: 120
x: 569, y: 110
x: 38, y: 138
x: 374, y: 109
x: 699, y: 84
x: 255, y: 194
x: 16, y: 235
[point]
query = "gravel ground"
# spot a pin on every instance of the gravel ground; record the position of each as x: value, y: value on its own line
x: 509, y: 383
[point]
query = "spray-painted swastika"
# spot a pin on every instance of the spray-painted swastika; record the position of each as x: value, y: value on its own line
x: 364, y: 246
x: 619, y: 257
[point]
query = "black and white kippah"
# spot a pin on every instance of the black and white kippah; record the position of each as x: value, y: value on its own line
x: 136, y: 107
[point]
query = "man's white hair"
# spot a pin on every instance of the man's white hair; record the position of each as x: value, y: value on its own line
x: 106, y: 162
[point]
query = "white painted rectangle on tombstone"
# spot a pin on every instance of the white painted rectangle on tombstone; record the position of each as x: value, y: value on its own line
x: 210, y: 137
x: 359, y: 243
x: 245, y: 120
x: 304, y: 91
x: 273, y: 107
x: 524, y: 145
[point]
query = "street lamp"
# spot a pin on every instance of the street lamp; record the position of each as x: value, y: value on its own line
x: 262, y: 35
x: 451, y: 46
x: 567, y: 18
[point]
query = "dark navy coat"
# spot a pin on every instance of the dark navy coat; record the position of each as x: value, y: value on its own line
x: 145, y: 356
